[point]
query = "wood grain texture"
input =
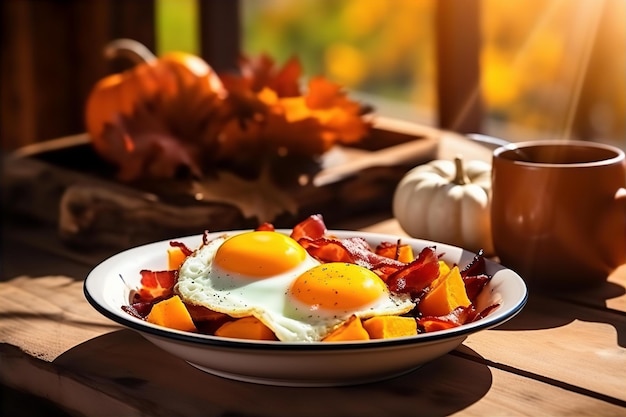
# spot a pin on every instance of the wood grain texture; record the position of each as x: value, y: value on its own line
x: 52, y: 56
x: 54, y: 344
x: 65, y: 184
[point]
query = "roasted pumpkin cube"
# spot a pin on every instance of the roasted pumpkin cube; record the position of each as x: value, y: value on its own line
x: 171, y: 313
x: 175, y: 257
x: 246, y: 328
x: 351, y: 329
x: 403, y: 252
x: 447, y: 294
x: 387, y: 327
x: 444, y: 269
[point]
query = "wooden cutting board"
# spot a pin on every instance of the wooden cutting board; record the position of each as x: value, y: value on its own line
x: 64, y: 183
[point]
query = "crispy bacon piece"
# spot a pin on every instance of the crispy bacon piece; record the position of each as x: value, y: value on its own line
x: 354, y: 250
x: 139, y: 309
x: 184, y: 248
x: 326, y: 250
x: 457, y: 317
x: 417, y: 275
x: 475, y: 276
x: 385, y: 271
x: 366, y: 257
x: 476, y: 267
x: 265, y: 227
x: 205, y: 237
x: 431, y: 324
x: 312, y: 227
x: 485, y: 312
x: 474, y: 285
x: 155, y: 284
x: 470, y: 314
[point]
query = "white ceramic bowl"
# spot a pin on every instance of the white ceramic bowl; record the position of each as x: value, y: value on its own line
x: 298, y: 364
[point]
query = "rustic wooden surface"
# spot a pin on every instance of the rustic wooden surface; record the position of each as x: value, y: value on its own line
x: 564, y: 354
x: 568, y: 357
x: 66, y: 184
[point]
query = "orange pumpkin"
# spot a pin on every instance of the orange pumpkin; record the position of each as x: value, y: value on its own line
x: 172, y: 97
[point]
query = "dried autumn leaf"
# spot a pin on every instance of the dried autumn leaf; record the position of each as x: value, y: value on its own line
x: 259, y: 198
x: 142, y: 146
x: 155, y: 284
x: 261, y: 72
x: 307, y: 124
x: 339, y: 114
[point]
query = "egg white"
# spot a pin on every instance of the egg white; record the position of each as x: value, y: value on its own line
x: 203, y: 283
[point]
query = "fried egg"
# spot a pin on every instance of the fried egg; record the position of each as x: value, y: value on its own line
x: 270, y: 276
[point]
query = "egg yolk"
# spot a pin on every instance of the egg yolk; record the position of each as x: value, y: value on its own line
x: 337, y: 286
x: 259, y: 254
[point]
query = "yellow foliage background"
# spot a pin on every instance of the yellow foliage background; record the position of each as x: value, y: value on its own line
x: 535, y: 55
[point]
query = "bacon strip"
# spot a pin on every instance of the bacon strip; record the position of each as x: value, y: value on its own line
x: 265, y: 227
x: 184, y: 248
x: 139, y: 309
x: 313, y: 227
x: 476, y: 267
x: 156, y: 284
x: 457, y: 317
x: 354, y: 250
x: 417, y: 275
x: 474, y: 285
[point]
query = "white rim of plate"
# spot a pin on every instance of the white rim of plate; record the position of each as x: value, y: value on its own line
x: 99, y: 276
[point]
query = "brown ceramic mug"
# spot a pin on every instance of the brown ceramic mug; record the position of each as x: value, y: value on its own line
x: 558, y: 211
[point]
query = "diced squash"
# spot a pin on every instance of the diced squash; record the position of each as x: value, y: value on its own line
x: 246, y: 328
x: 175, y: 257
x: 447, y: 294
x: 351, y: 329
x: 403, y: 252
x: 171, y: 313
x: 406, y: 254
x: 387, y: 327
x: 444, y: 269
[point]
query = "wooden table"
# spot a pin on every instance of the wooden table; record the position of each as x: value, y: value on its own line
x: 562, y: 355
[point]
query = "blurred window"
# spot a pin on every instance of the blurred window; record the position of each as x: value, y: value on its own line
x: 549, y: 68
x: 380, y: 50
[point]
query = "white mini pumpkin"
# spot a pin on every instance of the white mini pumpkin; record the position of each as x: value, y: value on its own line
x: 447, y: 201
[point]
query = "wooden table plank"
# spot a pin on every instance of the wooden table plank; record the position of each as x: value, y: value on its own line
x: 584, y: 347
x: 120, y: 373
x: 552, y: 332
x: 91, y: 354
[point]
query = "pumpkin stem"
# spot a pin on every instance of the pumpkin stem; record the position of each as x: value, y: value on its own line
x: 460, y: 177
x: 137, y: 52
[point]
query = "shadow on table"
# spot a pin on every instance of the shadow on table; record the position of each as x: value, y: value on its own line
x: 544, y: 311
x: 122, y: 365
